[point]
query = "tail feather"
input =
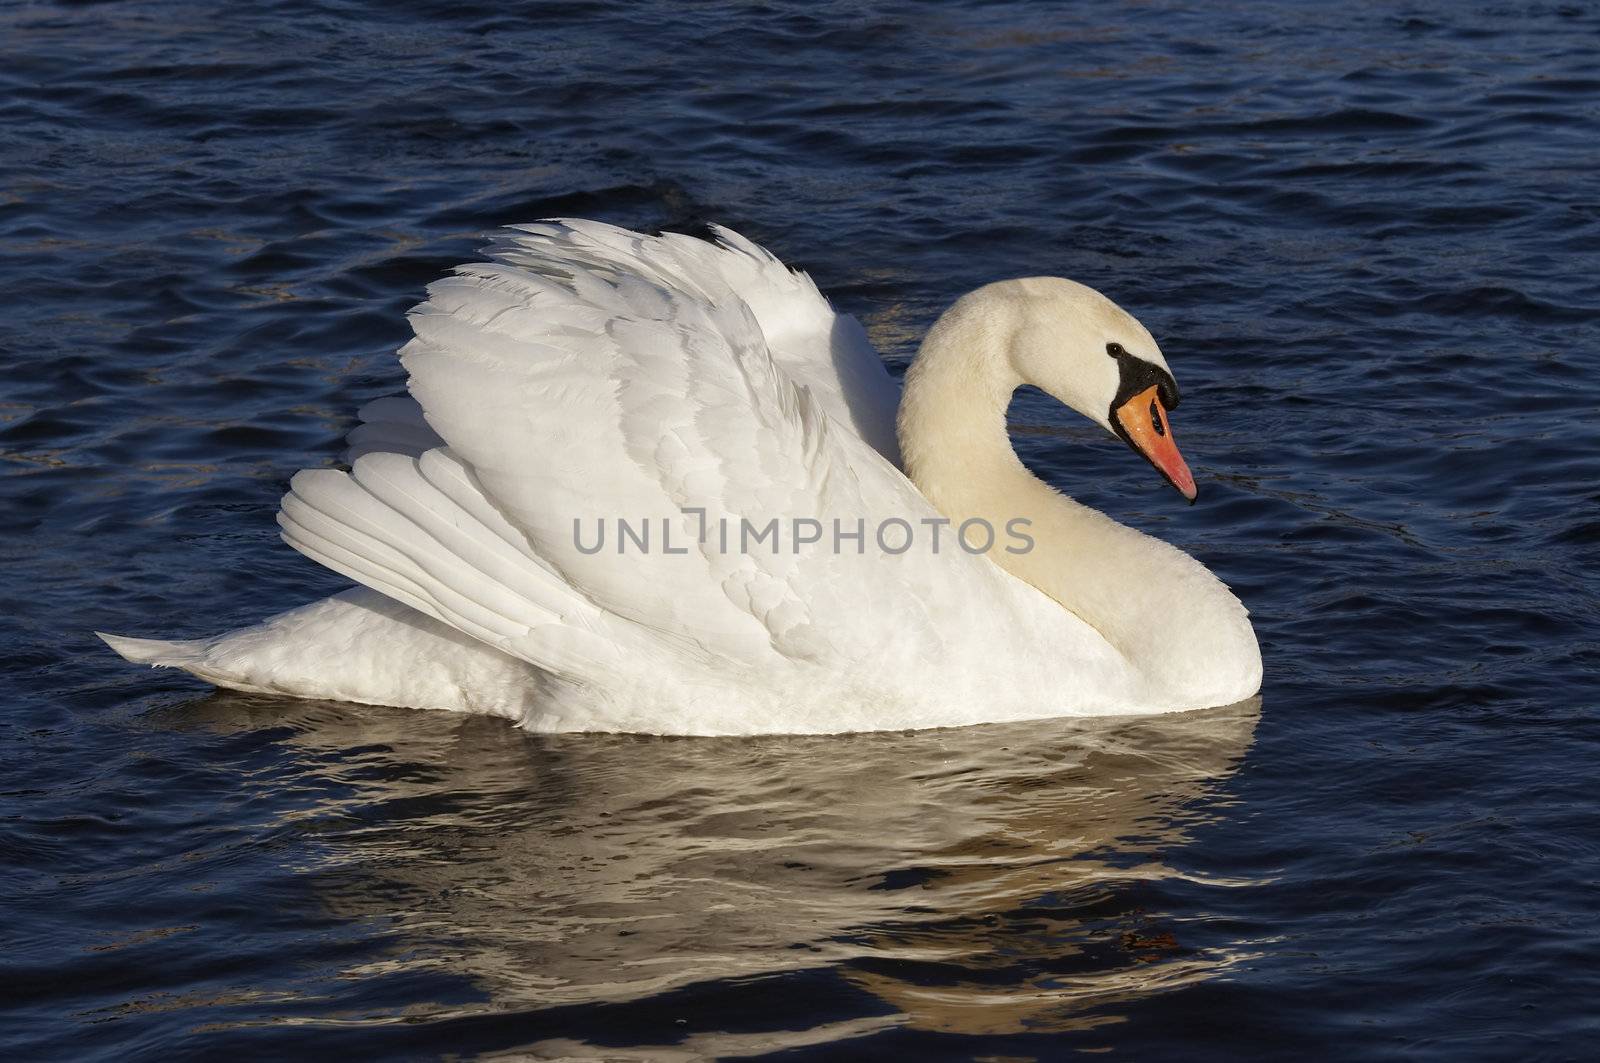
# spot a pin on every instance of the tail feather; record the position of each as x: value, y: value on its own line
x: 359, y: 645
x: 195, y: 656
x: 158, y: 653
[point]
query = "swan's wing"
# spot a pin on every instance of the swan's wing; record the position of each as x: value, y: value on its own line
x: 590, y: 376
x: 823, y: 351
x: 577, y: 388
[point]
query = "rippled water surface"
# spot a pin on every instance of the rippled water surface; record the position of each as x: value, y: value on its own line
x: 1368, y: 237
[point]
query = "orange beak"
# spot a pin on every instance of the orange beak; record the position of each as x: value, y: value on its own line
x: 1143, y: 423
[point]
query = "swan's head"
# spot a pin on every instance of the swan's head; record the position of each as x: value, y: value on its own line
x: 1082, y: 349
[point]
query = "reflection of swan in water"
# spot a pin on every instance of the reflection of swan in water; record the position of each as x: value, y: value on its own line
x: 978, y: 880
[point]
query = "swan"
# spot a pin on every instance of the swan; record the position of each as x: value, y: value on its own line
x: 655, y: 484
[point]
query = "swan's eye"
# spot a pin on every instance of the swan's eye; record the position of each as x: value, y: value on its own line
x: 1155, y: 419
x: 1115, y: 350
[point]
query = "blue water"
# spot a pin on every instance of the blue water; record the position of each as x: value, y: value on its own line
x: 1368, y: 238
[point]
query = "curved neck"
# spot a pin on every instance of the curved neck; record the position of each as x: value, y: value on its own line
x: 1149, y: 600
x: 952, y: 418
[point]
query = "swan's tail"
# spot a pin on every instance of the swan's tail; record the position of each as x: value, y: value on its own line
x: 355, y: 646
x: 196, y: 656
x: 158, y: 653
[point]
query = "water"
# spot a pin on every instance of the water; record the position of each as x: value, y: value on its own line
x: 1368, y: 237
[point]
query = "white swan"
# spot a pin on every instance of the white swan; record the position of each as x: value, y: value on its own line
x: 585, y: 376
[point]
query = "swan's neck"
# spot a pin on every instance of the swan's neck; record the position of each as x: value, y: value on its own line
x: 1149, y: 600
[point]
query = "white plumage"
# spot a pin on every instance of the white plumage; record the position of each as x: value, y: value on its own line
x: 585, y: 375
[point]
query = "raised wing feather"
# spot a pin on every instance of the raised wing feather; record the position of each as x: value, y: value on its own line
x: 826, y: 352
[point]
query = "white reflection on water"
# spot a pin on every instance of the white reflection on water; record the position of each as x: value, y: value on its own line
x: 978, y: 880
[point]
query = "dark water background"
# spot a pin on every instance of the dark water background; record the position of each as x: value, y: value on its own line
x: 1368, y: 237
